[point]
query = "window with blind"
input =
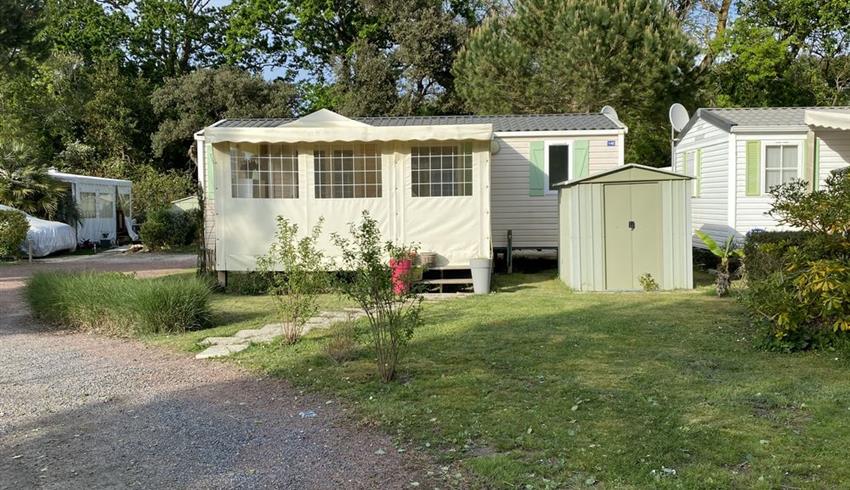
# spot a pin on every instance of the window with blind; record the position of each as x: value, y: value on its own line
x: 263, y: 171
x: 347, y: 171
x: 440, y: 171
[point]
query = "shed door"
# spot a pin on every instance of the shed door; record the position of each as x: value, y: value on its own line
x: 632, y: 234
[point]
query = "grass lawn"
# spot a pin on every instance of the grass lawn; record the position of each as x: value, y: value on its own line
x: 538, y: 387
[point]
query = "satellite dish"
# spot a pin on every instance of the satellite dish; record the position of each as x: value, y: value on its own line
x: 678, y: 116
x: 610, y: 112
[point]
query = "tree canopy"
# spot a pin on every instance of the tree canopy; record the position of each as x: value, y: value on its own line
x: 117, y: 87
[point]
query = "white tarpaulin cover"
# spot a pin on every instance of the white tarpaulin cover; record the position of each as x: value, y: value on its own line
x: 828, y: 119
x: 46, y: 237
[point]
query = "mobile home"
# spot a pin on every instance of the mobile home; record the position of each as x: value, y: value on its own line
x: 737, y: 155
x: 456, y: 185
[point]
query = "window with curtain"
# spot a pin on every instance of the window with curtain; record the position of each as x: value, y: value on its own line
x: 781, y: 165
x: 88, y: 205
x: 440, y: 171
x: 263, y: 171
x: 347, y: 171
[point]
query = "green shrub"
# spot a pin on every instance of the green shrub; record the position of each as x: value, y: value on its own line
x: 153, y: 189
x: 119, y: 304
x: 248, y: 283
x: 799, y: 283
x: 168, y: 228
x: 13, y: 232
x: 765, y: 251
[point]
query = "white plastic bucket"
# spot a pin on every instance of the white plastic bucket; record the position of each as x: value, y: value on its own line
x: 480, y: 269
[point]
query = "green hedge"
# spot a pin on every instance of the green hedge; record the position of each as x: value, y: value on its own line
x: 165, y: 228
x: 13, y: 232
x: 119, y: 304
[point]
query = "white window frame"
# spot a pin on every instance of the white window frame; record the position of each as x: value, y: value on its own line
x: 570, y: 162
x: 460, y: 152
x: 763, y: 169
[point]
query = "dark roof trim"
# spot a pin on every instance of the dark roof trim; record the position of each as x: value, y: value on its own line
x: 570, y: 183
x: 719, y: 121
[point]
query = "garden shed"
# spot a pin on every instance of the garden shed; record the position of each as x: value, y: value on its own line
x: 622, y: 224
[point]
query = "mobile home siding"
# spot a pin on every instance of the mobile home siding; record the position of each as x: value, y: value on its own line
x: 834, y: 147
x: 710, y: 208
x: 534, y: 219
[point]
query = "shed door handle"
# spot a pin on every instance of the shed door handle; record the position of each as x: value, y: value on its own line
x: 631, y: 225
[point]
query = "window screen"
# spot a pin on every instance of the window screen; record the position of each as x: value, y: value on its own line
x: 349, y: 171
x: 781, y: 165
x: 559, y: 164
x: 104, y: 205
x: 88, y: 205
x: 263, y: 171
x: 441, y: 171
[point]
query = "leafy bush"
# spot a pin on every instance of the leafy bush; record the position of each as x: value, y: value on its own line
x: 13, y: 232
x: 799, y: 284
x: 302, y: 276
x: 166, y: 228
x: 393, y: 312
x: 119, y: 304
x: 248, y: 283
x: 153, y: 190
x: 765, y: 251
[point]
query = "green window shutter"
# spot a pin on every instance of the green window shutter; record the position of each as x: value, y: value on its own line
x: 753, y: 168
x: 698, y: 173
x: 535, y: 169
x: 581, y: 154
x: 209, y: 163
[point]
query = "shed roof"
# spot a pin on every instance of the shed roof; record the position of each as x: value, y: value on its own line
x: 631, y: 172
x: 758, y: 117
x: 501, y: 123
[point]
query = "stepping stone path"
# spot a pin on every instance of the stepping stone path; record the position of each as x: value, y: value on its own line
x: 241, y: 340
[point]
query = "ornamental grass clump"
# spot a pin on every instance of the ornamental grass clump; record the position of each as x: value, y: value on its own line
x: 393, y: 312
x: 119, y: 304
x: 296, y: 272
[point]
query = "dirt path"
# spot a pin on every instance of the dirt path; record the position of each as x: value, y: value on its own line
x: 80, y: 411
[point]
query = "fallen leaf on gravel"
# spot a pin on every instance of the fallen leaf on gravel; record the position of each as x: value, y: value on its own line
x: 17, y: 456
x: 380, y: 452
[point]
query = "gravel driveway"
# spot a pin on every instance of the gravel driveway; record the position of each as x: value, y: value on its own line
x: 81, y: 411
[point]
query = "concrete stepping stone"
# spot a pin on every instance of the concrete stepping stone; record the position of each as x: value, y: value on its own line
x: 222, y: 341
x: 221, y: 350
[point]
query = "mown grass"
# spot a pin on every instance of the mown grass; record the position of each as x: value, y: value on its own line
x: 120, y: 304
x: 535, y: 386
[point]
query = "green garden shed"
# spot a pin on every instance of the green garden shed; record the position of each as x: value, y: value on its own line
x: 625, y: 223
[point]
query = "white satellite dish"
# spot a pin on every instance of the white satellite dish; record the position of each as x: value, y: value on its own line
x: 679, y: 116
x: 610, y: 112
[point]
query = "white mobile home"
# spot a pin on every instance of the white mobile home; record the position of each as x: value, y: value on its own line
x: 453, y: 184
x: 737, y: 155
x: 104, y: 205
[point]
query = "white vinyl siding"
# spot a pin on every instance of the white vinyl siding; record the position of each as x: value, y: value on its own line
x: 534, y: 219
x: 834, y: 147
x: 752, y: 210
x: 709, y: 210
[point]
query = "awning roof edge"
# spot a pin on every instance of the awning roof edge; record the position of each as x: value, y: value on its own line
x: 366, y: 134
x: 828, y: 119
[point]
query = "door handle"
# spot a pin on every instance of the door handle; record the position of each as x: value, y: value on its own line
x: 631, y: 225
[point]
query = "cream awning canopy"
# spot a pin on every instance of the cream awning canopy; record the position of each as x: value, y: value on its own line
x: 325, y: 126
x: 828, y: 119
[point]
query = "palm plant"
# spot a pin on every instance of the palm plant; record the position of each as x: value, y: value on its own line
x: 25, y: 184
x: 729, y: 250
